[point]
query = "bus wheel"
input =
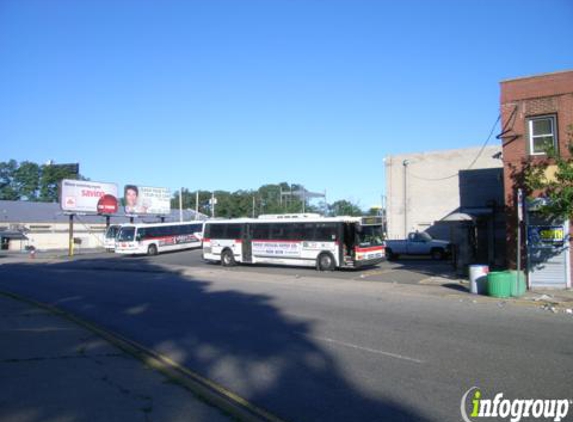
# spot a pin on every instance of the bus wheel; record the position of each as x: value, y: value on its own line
x: 152, y: 250
x: 227, y: 258
x: 325, y: 262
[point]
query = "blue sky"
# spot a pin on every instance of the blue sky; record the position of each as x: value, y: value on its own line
x: 235, y: 94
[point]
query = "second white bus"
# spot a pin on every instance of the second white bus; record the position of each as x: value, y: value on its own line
x: 109, y: 238
x: 301, y: 240
x: 151, y: 239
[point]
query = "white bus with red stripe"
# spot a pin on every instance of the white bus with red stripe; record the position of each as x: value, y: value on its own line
x: 308, y: 240
x: 110, y: 235
x: 152, y: 239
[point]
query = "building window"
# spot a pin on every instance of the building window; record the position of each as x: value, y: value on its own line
x: 542, y: 135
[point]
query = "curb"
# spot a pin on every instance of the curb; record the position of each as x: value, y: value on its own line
x: 211, y: 392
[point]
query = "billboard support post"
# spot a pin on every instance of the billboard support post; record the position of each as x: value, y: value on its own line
x: 131, y: 220
x: 71, y: 237
x: 107, y: 221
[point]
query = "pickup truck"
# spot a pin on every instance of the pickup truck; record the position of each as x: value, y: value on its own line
x: 418, y: 244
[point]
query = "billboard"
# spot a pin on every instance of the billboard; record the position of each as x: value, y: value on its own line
x: 88, y: 196
x: 146, y: 200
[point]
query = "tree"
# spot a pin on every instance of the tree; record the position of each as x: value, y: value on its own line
x: 27, y: 180
x: 32, y: 182
x: 189, y: 198
x: 265, y: 200
x: 553, y: 179
x: 7, y: 172
x: 51, y: 176
x: 344, y: 207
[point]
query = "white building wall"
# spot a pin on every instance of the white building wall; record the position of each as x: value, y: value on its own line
x: 427, y: 188
x: 56, y: 236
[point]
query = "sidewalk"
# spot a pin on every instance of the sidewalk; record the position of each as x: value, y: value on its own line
x: 550, y: 299
x: 53, y: 369
x: 49, y: 254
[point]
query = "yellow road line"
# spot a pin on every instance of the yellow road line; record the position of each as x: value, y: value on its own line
x: 208, y: 390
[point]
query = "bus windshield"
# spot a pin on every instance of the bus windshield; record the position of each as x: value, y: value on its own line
x: 370, y: 236
x: 111, y: 232
x: 126, y: 234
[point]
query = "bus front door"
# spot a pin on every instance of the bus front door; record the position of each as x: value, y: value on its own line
x: 246, y: 244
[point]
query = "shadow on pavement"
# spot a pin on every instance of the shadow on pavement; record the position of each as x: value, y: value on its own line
x: 423, y: 265
x: 456, y: 287
x: 240, y: 340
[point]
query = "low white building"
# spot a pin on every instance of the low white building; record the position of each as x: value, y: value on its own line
x: 422, y: 188
x: 46, y: 227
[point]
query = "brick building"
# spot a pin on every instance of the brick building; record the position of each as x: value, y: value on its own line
x: 537, y: 112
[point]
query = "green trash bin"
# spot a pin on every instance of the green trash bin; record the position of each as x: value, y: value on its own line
x: 499, y: 284
x: 518, y: 287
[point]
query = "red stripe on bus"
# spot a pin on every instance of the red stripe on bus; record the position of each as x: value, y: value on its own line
x: 276, y: 241
x: 167, y: 237
x: 370, y: 249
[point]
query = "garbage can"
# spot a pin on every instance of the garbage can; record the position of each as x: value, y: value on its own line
x: 478, y: 279
x: 499, y: 284
x: 518, y: 286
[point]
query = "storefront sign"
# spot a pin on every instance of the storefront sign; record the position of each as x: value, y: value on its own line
x: 546, y: 236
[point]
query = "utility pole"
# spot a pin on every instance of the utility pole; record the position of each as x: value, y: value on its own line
x: 180, y: 205
x: 253, y: 206
x: 212, y: 202
x: 519, y: 220
x: 196, y: 205
x: 405, y: 164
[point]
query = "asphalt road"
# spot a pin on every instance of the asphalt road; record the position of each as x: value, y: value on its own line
x: 319, y: 348
x: 404, y: 271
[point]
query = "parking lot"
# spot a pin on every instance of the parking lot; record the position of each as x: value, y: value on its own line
x: 404, y: 271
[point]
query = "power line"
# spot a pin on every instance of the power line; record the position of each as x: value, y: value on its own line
x: 480, y: 152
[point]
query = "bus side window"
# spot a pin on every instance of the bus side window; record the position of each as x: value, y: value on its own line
x: 233, y: 231
x: 308, y: 231
x: 261, y: 231
x: 279, y: 231
x: 140, y: 235
x: 326, y: 232
x: 295, y: 231
x: 216, y: 231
